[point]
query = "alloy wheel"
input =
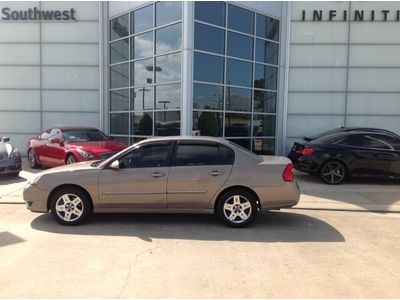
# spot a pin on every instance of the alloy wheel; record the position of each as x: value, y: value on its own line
x: 70, y: 160
x: 333, y: 172
x: 69, y: 207
x: 237, y: 209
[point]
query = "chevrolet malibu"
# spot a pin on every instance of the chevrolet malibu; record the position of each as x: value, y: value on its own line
x: 171, y: 174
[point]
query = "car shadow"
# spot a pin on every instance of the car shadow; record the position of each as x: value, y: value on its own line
x: 287, y: 227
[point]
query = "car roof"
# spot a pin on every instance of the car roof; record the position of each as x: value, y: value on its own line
x: 189, y: 137
x: 71, y: 128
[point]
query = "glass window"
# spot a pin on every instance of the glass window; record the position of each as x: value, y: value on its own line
x: 210, y: 12
x: 376, y: 142
x: 119, y: 51
x: 240, y: 45
x: 168, y: 12
x: 142, y: 72
x: 168, y: 39
x: 142, y: 123
x: 237, y: 125
x: 264, y: 101
x: 147, y: 156
x: 239, y: 72
x: 119, y: 27
x: 119, y: 100
x: 142, y: 98
x: 168, y: 96
x: 167, y: 123
x: 207, y: 123
x: 267, y: 27
x: 208, y: 68
x: 168, y: 68
x: 226, y: 156
x: 119, y: 123
x: 266, y: 52
x: 208, y: 38
x: 122, y: 139
x: 245, y: 143
x: 240, y: 19
x: 265, y: 77
x: 142, y: 19
x: 264, y: 146
x: 196, y: 154
x: 238, y: 99
x: 206, y: 96
x: 119, y: 76
x: 263, y: 125
x: 142, y: 45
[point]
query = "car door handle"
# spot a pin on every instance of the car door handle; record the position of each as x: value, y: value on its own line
x: 216, y: 173
x: 157, y: 175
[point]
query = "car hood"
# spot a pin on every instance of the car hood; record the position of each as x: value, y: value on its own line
x: 99, y: 147
x: 87, y: 165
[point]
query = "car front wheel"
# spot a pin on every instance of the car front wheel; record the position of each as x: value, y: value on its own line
x: 70, y: 206
x: 237, y: 208
x: 70, y: 160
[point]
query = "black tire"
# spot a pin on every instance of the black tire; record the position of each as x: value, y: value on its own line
x: 333, y: 172
x: 70, y: 160
x: 247, y: 204
x: 72, y: 212
x: 32, y: 159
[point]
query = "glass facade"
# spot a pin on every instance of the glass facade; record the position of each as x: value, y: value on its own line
x: 235, y: 75
x: 145, y: 92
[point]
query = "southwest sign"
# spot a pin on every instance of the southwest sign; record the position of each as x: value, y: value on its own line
x: 35, y: 14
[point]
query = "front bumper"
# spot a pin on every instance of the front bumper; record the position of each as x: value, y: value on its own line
x: 11, y: 166
x: 35, y: 199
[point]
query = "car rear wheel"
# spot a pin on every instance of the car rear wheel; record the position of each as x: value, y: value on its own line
x: 237, y: 208
x: 32, y: 159
x: 70, y: 206
x: 333, y: 172
x: 70, y: 160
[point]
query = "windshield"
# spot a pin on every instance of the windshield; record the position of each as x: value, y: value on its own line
x: 83, y: 135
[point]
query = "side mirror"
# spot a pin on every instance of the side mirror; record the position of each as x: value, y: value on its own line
x: 115, y: 165
x: 5, y: 139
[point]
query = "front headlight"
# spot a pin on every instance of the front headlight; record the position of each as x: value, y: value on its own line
x: 85, y: 154
x: 14, y: 153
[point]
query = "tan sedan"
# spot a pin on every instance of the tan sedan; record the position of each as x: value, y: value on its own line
x: 171, y: 174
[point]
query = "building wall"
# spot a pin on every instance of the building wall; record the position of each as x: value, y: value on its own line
x: 49, y: 71
x: 343, y: 73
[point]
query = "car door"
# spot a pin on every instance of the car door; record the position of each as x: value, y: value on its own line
x: 55, y: 151
x: 40, y: 147
x: 141, y: 179
x: 198, y: 170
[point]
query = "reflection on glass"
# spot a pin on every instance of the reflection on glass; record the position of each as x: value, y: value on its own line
x: 240, y: 19
x: 142, y: 123
x: 264, y: 101
x: 206, y: 96
x: 265, y: 77
x: 142, y: 98
x: 208, y: 38
x: 119, y: 51
x: 122, y: 139
x: 237, y: 124
x: 168, y: 96
x: 142, y: 72
x: 267, y: 28
x: 239, y: 72
x: 119, y: 76
x: 168, y: 12
x: 142, y: 19
x: 119, y: 123
x: 119, y: 27
x: 168, y: 68
x: 135, y: 140
x: 210, y: 12
x: 207, y: 123
x: 264, y: 146
x: 266, y: 52
x: 167, y: 123
x: 168, y: 39
x: 242, y: 142
x: 119, y: 100
x: 240, y: 45
x: 142, y: 45
x: 263, y: 125
x: 208, y: 68
x: 238, y: 99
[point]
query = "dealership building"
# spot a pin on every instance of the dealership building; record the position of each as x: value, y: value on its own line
x: 262, y: 74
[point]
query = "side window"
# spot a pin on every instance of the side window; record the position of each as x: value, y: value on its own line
x: 147, y: 156
x: 53, y: 133
x: 45, y: 134
x: 352, y: 140
x: 377, y: 142
x: 226, y: 155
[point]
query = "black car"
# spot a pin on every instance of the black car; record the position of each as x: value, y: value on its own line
x: 10, y: 158
x: 356, y: 153
x: 343, y: 129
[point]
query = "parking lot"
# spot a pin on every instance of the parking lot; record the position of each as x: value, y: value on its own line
x: 339, y: 242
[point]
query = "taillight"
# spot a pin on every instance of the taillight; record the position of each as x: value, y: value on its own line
x: 305, y: 151
x: 288, y: 174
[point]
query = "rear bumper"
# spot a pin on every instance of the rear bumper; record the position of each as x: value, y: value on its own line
x: 11, y: 166
x: 35, y: 199
x: 275, y: 197
x: 308, y: 164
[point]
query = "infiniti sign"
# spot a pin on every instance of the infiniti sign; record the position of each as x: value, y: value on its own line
x: 35, y: 14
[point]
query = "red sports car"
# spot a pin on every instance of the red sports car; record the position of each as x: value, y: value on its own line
x: 67, y: 145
